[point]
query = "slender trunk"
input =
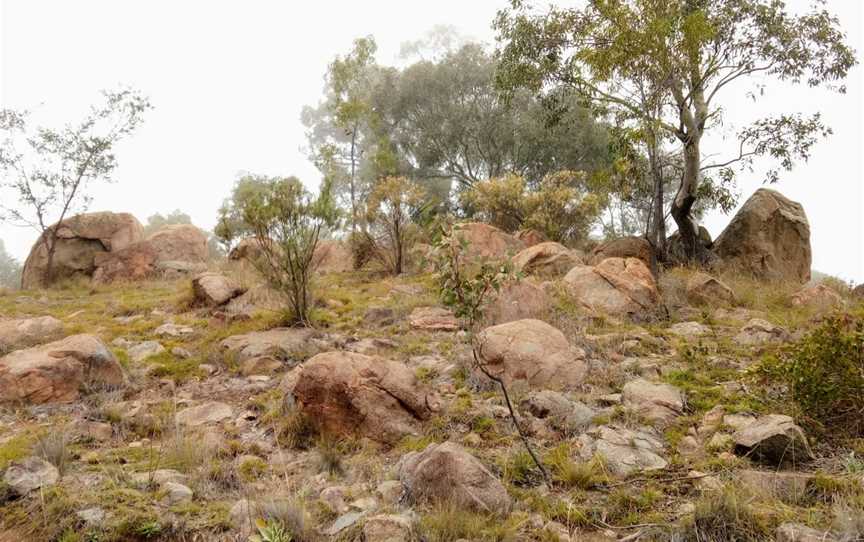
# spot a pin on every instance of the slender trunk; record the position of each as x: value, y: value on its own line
x: 51, y: 247
x: 352, y: 186
x: 657, y: 233
x: 682, y: 207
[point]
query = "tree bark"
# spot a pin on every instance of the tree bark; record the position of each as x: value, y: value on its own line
x: 682, y: 206
x: 657, y: 234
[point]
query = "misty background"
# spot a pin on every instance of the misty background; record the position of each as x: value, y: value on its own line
x: 229, y: 79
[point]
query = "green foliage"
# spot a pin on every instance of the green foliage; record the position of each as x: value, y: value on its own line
x: 230, y: 226
x: 389, y: 211
x: 463, y: 286
x: 561, y: 206
x: 724, y: 515
x: 286, y: 223
x: 271, y: 531
x: 824, y: 374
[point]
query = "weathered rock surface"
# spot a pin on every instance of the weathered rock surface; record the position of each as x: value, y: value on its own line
x: 656, y: 402
x: 332, y: 257
x: 486, y: 242
x: 55, y: 372
x: 179, y: 242
x: 81, y: 238
x: 689, y: 329
x: 702, y: 288
x: 447, y: 474
x: 562, y: 414
x: 516, y: 300
x: 817, y: 296
x: 530, y: 237
x: 214, y: 289
x: 433, y: 319
x: 344, y: 393
x: 135, y: 262
x: 624, y: 248
x: 288, y: 344
x: 758, y: 332
x: 144, y: 350
x: 25, y: 332
x: 616, y: 287
x: 205, y: 413
x: 795, y: 532
x: 532, y: 352
x: 769, y: 238
x: 248, y: 249
x: 29, y: 475
x: 388, y: 528
x: 789, y: 487
x: 547, y: 259
x: 773, y: 439
x: 625, y: 450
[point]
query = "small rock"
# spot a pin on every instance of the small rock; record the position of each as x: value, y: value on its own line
x: 211, y: 412
x: 92, y: 517
x: 30, y: 474
x: 656, y: 402
x: 343, y: 522
x: 433, y: 319
x: 334, y: 497
x: 379, y: 316
x: 689, y: 329
x: 181, y: 353
x: 173, y: 330
x: 390, y: 491
x: 774, y: 439
x: 758, y: 332
x: 176, y: 493
x: 260, y: 365
x: 144, y: 350
x: 388, y: 528
x: 625, y: 450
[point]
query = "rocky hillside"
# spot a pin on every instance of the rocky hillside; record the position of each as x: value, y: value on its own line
x: 180, y: 409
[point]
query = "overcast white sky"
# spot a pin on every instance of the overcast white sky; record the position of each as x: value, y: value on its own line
x: 228, y: 80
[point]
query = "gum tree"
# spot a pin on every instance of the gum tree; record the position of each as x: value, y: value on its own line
x: 688, y: 54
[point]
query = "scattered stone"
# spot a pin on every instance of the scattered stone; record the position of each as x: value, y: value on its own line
x: 173, y: 330
x: 388, y: 528
x: 288, y: 344
x: 625, y: 450
x: 769, y: 238
x: 158, y: 477
x: 547, y: 259
x: 176, y: 493
x: 334, y: 497
x: 615, y: 286
x: 390, y: 491
x: 144, y: 350
x: 689, y: 330
x: 568, y: 416
x: 90, y: 430
x: 206, y: 413
x: 447, y: 474
x: 774, y: 439
x: 379, y: 316
x: 533, y: 352
x: 181, y: 353
x: 55, y: 372
x: 27, y: 332
x: 656, y: 402
x: 214, y: 289
x: 759, y: 332
x: 704, y: 289
x: 260, y: 365
x: 433, y: 319
x: 817, y: 296
x: 30, y: 474
x: 343, y: 522
x: 344, y: 393
x: 789, y: 487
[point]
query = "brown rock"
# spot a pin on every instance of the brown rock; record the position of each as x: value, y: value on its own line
x: 344, y: 393
x: 332, y: 257
x: 433, y: 319
x: 625, y: 247
x: 656, y: 402
x: 530, y: 237
x: 616, y: 287
x: 248, y: 249
x: 769, y: 238
x: 290, y: 344
x: 81, y: 237
x: 447, y: 474
x: 260, y: 365
x: 547, y: 259
x: 817, y: 296
x: 789, y: 487
x: 25, y: 332
x: 56, y: 371
x: 702, y: 288
x: 486, y: 242
x: 179, y: 242
x: 533, y: 352
x: 517, y: 300
x: 758, y: 332
x: 134, y: 262
x: 214, y: 289
x: 773, y: 439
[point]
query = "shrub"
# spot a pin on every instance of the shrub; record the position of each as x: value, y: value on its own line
x: 389, y: 212
x: 560, y: 206
x: 824, y: 374
x: 721, y: 516
x: 287, y: 223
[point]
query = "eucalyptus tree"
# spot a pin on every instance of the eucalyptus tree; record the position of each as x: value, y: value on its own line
x: 45, y: 173
x: 689, y: 53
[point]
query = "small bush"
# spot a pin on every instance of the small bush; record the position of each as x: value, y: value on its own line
x: 389, y: 211
x: 722, y: 516
x: 824, y: 374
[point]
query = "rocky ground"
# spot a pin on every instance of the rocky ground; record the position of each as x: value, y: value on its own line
x: 189, y: 421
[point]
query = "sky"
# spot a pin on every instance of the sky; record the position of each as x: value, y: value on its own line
x: 228, y: 80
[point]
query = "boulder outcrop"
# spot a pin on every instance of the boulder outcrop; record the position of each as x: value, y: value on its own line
x: 616, y: 286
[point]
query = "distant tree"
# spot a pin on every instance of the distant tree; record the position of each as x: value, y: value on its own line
x: 666, y: 64
x: 10, y: 269
x: 157, y: 220
x: 45, y: 173
x: 389, y: 211
x: 287, y: 222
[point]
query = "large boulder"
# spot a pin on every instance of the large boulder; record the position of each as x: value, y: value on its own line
x: 343, y: 393
x: 773, y: 439
x: 530, y: 237
x: 702, y: 288
x: 516, y: 300
x: 547, y: 259
x: 446, y: 474
x: 26, y: 332
x: 80, y: 239
x: 332, y: 257
x: 179, y: 242
x: 248, y: 249
x: 485, y: 242
x: 214, y: 289
x: 533, y: 352
x: 29, y: 475
x: 768, y: 238
x: 616, y: 286
x: 56, y: 372
x: 624, y: 247
x: 134, y: 262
